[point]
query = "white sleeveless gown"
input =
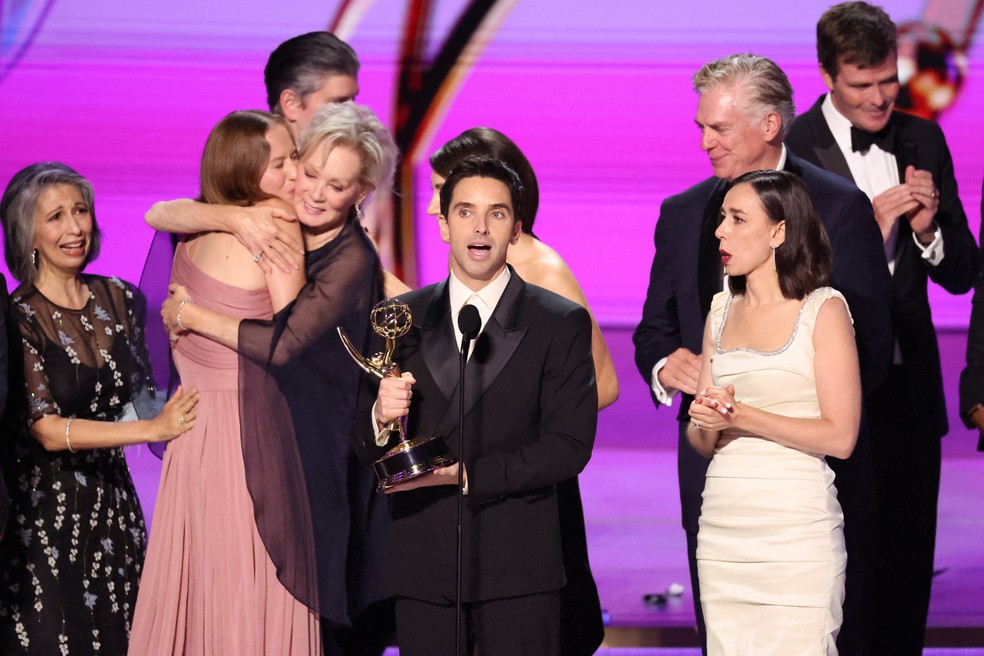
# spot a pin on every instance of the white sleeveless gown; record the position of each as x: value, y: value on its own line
x: 770, y: 552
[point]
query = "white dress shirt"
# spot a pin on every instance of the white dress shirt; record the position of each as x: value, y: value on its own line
x: 486, y: 299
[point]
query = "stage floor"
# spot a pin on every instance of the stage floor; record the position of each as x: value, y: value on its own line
x: 637, y: 546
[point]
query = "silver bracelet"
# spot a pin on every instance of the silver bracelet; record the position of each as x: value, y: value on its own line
x: 68, y: 435
x: 177, y: 315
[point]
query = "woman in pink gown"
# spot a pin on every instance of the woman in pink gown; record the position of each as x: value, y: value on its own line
x: 209, y: 586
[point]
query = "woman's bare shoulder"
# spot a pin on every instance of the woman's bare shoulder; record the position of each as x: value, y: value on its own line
x: 277, y: 203
x: 544, y: 267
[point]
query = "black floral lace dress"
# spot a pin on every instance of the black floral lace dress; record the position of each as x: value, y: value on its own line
x: 75, y: 543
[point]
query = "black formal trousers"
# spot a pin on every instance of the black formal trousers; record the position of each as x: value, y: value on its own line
x: 899, y: 619
x: 581, y: 628
x: 519, y: 626
x: 907, y: 516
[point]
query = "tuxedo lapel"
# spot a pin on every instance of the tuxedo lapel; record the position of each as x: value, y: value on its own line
x: 439, y: 351
x: 905, y: 149
x: 825, y: 146
x: 905, y: 155
x: 493, y: 349
x: 832, y: 159
x: 709, y: 258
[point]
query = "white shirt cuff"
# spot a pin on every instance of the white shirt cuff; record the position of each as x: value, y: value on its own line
x: 663, y: 395
x: 932, y: 253
x: 381, y: 434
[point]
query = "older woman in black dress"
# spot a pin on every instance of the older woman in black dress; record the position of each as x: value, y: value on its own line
x: 316, y: 506
x: 74, y: 549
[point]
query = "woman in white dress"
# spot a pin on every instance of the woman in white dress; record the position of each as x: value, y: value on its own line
x: 779, y: 390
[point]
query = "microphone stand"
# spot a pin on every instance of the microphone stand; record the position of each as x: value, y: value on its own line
x: 469, y: 323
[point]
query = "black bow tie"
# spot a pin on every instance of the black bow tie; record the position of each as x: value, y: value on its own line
x: 862, y: 140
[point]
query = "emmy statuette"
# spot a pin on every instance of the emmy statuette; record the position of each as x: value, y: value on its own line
x: 409, y: 458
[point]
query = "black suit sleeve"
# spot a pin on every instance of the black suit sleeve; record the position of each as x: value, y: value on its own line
x: 658, y: 333
x: 961, y: 256
x: 567, y: 422
x: 860, y: 272
x: 972, y: 377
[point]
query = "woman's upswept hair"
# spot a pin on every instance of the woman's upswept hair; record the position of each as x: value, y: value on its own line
x: 486, y: 142
x: 235, y: 158
x: 18, y: 209
x: 803, y: 261
x: 357, y: 127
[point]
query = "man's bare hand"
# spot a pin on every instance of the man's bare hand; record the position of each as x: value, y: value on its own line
x: 393, y: 398
x: 925, y: 193
x: 257, y: 229
x: 890, y: 205
x: 917, y: 199
x: 680, y: 371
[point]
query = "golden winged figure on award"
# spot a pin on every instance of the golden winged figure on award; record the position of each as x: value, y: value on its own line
x: 408, y: 458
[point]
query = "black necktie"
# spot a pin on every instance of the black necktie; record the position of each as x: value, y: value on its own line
x: 862, y: 140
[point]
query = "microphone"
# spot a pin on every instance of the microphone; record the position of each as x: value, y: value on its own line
x: 469, y: 323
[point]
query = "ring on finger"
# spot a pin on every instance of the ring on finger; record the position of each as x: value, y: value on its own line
x: 697, y: 423
x: 181, y: 419
x: 256, y: 258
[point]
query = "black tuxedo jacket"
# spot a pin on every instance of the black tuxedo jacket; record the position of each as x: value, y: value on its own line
x: 686, y: 275
x: 919, y: 143
x: 531, y: 411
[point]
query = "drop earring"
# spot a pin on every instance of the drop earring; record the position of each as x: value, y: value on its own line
x: 774, y: 247
x: 34, y: 257
x: 358, y: 212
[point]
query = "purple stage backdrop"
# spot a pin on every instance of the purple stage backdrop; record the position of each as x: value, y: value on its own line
x: 596, y: 93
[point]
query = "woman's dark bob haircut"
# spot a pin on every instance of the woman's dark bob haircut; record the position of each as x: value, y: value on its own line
x: 803, y: 261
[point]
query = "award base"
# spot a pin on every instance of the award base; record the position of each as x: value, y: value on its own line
x: 410, y: 459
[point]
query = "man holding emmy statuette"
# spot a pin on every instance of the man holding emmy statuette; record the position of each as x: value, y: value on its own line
x: 530, y: 411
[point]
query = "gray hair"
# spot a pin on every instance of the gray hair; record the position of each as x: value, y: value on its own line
x: 18, y: 210
x: 355, y: 126
x: 768, y: 88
